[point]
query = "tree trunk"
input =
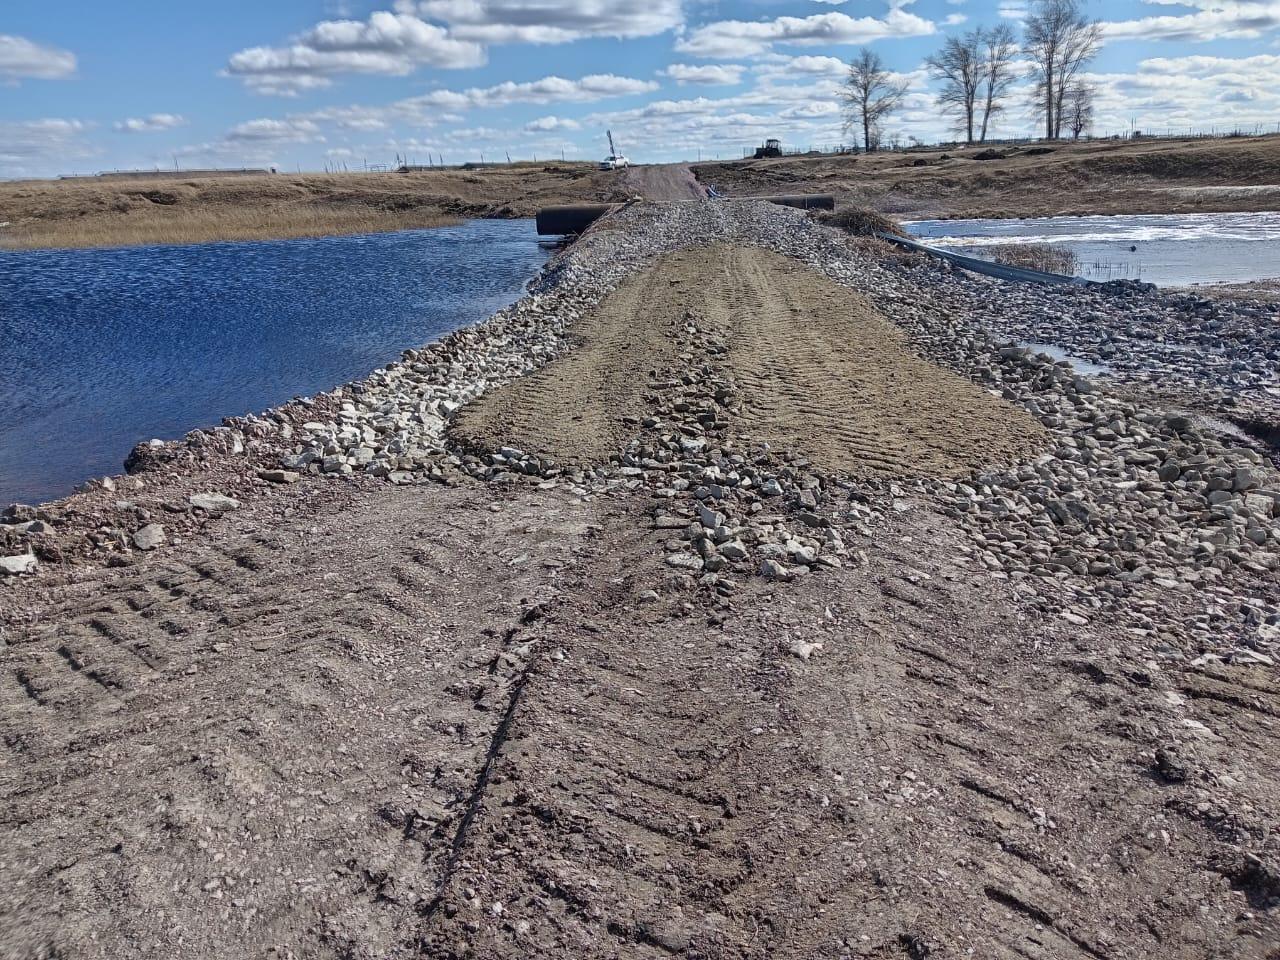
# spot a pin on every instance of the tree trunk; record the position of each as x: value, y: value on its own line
x: 1049, y: 73
x: 866, y: 131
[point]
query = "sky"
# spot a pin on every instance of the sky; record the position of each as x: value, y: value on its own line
x: 87, y: 86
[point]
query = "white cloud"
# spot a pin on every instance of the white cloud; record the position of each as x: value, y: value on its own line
x: 719, y: 74
x: 547, y: 90
x: 386, y: 43
x: 292, y: 130
x: 152, y: 124
x: 36, y: 145
x: 1216, y: 20
x: 548, y: 124
x: 735, y: 38
x: 816, y: 66
x: 548, y: 21
x: 954, y: 20
x: 22, y: 58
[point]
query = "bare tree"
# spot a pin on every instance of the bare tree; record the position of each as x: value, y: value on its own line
x: 870, y: 95
x: 1078, y: 110
x: 1060, y: 41
x: 999, y: 72
x: 959, y: 66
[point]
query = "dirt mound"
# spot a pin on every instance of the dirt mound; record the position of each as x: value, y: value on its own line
x: 817, y: 370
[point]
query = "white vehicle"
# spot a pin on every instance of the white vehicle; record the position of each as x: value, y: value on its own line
x: 615, y: 160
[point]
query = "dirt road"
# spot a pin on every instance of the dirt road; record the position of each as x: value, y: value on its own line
x: 493, y: 720
x: 663, y: 181
x: 813, y: 368
x: 455, y: 723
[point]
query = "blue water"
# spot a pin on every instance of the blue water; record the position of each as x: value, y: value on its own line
x: 101, y: 349
x: 1165, y: 249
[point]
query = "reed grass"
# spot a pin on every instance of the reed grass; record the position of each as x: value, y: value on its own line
x: 1044, y: 257
x: 209, y: 224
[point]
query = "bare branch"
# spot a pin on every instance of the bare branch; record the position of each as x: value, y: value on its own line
x: 1061, y: 41
x: 870, y: 95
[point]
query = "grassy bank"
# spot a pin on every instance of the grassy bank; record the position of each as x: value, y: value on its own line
x: 124, y: 212
x: 1034, y: 180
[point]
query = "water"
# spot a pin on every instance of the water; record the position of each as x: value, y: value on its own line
x: 100, y: 349
x: 1171, y: 249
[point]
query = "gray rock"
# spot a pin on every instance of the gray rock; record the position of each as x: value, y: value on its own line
x: 773, y: 570
x: 22, y: 563
x: 214, y: 504
x: 279, y: 476
x: 684, y: 561
x: 149, y: 537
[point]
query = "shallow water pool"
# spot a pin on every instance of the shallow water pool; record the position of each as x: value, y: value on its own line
x: 101, y: 349
x: 1164, y: 249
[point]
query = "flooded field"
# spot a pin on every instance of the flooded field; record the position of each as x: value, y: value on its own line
x: 106, y: 348
x: 1167, y: 250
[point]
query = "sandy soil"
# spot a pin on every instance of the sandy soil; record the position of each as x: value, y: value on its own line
x: 664, y: 181
x: 1101, y: 177
x: 814, y: 367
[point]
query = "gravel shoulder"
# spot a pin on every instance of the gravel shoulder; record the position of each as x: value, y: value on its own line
x: 376, y: 689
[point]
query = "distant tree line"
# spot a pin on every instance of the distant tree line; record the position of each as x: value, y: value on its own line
x: 978, y: 70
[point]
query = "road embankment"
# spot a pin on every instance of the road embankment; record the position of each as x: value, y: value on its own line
x: 745, y: 589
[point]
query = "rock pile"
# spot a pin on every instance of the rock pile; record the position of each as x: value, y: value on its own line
x: 1134, y: 498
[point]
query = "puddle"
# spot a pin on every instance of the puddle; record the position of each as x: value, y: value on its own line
x: 1085, y: 367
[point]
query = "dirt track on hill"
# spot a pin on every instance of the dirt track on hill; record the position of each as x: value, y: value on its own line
x: 663, y: 181
x: 815, y: 368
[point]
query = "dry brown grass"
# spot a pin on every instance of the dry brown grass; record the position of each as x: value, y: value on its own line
x: 205, y: 225
x: 1037, y: 256
x: 1098, y: 177
x: 862, y: 223
x: 123, y: 212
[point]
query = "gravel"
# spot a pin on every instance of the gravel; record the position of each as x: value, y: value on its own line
x: 1150, y: 504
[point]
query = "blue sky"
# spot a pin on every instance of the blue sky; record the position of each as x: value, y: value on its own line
x: 88, y: 86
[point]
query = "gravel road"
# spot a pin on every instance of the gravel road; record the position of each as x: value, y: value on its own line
x: 361, y: 678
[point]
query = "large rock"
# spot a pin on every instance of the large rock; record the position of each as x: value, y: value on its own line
x: 149, y: 537
x: 214, y: 504
x: 22, y: 563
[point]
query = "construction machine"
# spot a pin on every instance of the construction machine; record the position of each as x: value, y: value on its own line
x: 771, y: 148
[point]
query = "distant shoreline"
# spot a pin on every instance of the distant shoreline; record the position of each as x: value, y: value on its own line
x: 126, y: 212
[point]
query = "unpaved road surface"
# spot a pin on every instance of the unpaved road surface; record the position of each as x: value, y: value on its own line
x: 817, y: 368
x: 664, y: 181
x: 450, y: 722
x: 548, y: 714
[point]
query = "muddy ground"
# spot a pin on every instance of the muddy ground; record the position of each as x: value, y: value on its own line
x: 454, y: 722
x: 348, y: 719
